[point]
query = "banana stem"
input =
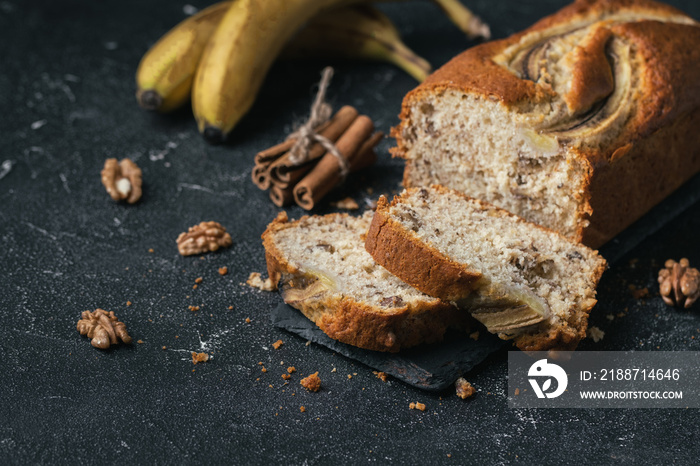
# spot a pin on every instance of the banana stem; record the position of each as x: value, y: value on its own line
x: 406, y: 59
x: 464, y: 19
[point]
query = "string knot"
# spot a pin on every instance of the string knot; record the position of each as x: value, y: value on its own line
x: 306, y: 134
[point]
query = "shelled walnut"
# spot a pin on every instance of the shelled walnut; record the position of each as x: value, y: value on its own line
x: 205, y: 237
x: 102, y: 328
x: 679, y: 283
x: 122, y: 180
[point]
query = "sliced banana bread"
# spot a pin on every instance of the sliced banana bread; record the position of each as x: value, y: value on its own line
x: 519, y: 279
x: 581, y: 123
x: 324, y: 271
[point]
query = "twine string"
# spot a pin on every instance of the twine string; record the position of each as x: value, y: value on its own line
x: 306, y: 134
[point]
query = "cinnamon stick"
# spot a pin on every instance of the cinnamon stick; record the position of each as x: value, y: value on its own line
x: 326, y: 174
x: 268, y: 156
x: 284, y: 174
x: 261, y: 176
x: 281, y: 197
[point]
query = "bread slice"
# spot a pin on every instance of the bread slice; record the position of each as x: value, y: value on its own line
x: 519, y: 279
x: 581, y: 123
x: 324, y: 271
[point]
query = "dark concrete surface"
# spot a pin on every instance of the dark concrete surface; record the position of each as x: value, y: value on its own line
x: 67, y: 103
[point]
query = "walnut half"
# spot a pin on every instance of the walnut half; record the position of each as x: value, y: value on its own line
x: 102, y: 328
x: 679, y: 283
x: 205, y: 237
x: 122, y: 180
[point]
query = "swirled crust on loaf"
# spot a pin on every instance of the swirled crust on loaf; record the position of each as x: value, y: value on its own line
x: 581, y: 123
x: 323, y: 270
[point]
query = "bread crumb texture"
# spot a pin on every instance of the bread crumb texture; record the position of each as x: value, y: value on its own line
x: 312, y: 383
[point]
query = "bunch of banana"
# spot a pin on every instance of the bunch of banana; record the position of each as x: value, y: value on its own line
x: 220, y: 56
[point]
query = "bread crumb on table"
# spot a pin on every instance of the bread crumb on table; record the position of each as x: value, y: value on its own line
x: 286, y: 376
x: 198, y: 280
x: 291, y: 369
x: 595, y: 334
x: 417, y: 405
x: 199, y: 357
x: 302, y: 408
x: 223, y: 271
x: 380, y: 375
x: 464, y: 388
x: 312, y: 383
x: 348, y: 204
x: 277, y: 344
x: 256, y: 281
x: 474, y: 336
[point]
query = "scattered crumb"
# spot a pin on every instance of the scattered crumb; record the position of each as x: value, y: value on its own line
x: 247, y: 320
x: 474, y: 336
x: 610, y: 317
x: 263, y: 369
x: 286, y: 376
x: 128, y: 303
x: 308, y: 342
x: 464, y: 389
x: 334, y: 370
x: 595, y: 333
x: 517, y: 391
x: 164, y: 348
x: 194, y: 287
x: 256, y: 281
x: 199, y: 357
x: 638, y: 293
x: 312, y: 383
x: 380, y: 375
x: 151, y: 250
x: 349, y: 376
x: 417, y: 405
x: 348, y: 204
x: 291, y: 369
x: 277, y: 344
x: 230, y: 308
x: 301, y: 408
x: 198, y: 280
x: 223, y: 270
x: 140, y: 342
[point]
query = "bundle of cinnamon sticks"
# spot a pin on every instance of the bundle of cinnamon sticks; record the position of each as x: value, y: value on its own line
x: 308, y: 181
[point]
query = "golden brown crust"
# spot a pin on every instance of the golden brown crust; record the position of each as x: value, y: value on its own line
x: 387, y: 238
x: 666, y: 62
x: 359, y: 324
x: 425, y: 269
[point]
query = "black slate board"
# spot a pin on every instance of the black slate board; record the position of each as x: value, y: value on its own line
x: 428, y: 367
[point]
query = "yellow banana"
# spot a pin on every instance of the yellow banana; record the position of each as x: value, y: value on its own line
x: 358, y: 31
x: 165, y: 73
x: 238, y: 56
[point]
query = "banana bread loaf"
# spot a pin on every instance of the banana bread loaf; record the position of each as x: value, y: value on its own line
x: 324, y: 271
x: 581, y: 123
x: 519, y: 279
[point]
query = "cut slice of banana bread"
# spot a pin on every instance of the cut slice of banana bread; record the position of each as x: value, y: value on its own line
x: 323, y: 270
x: 519, y: 279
